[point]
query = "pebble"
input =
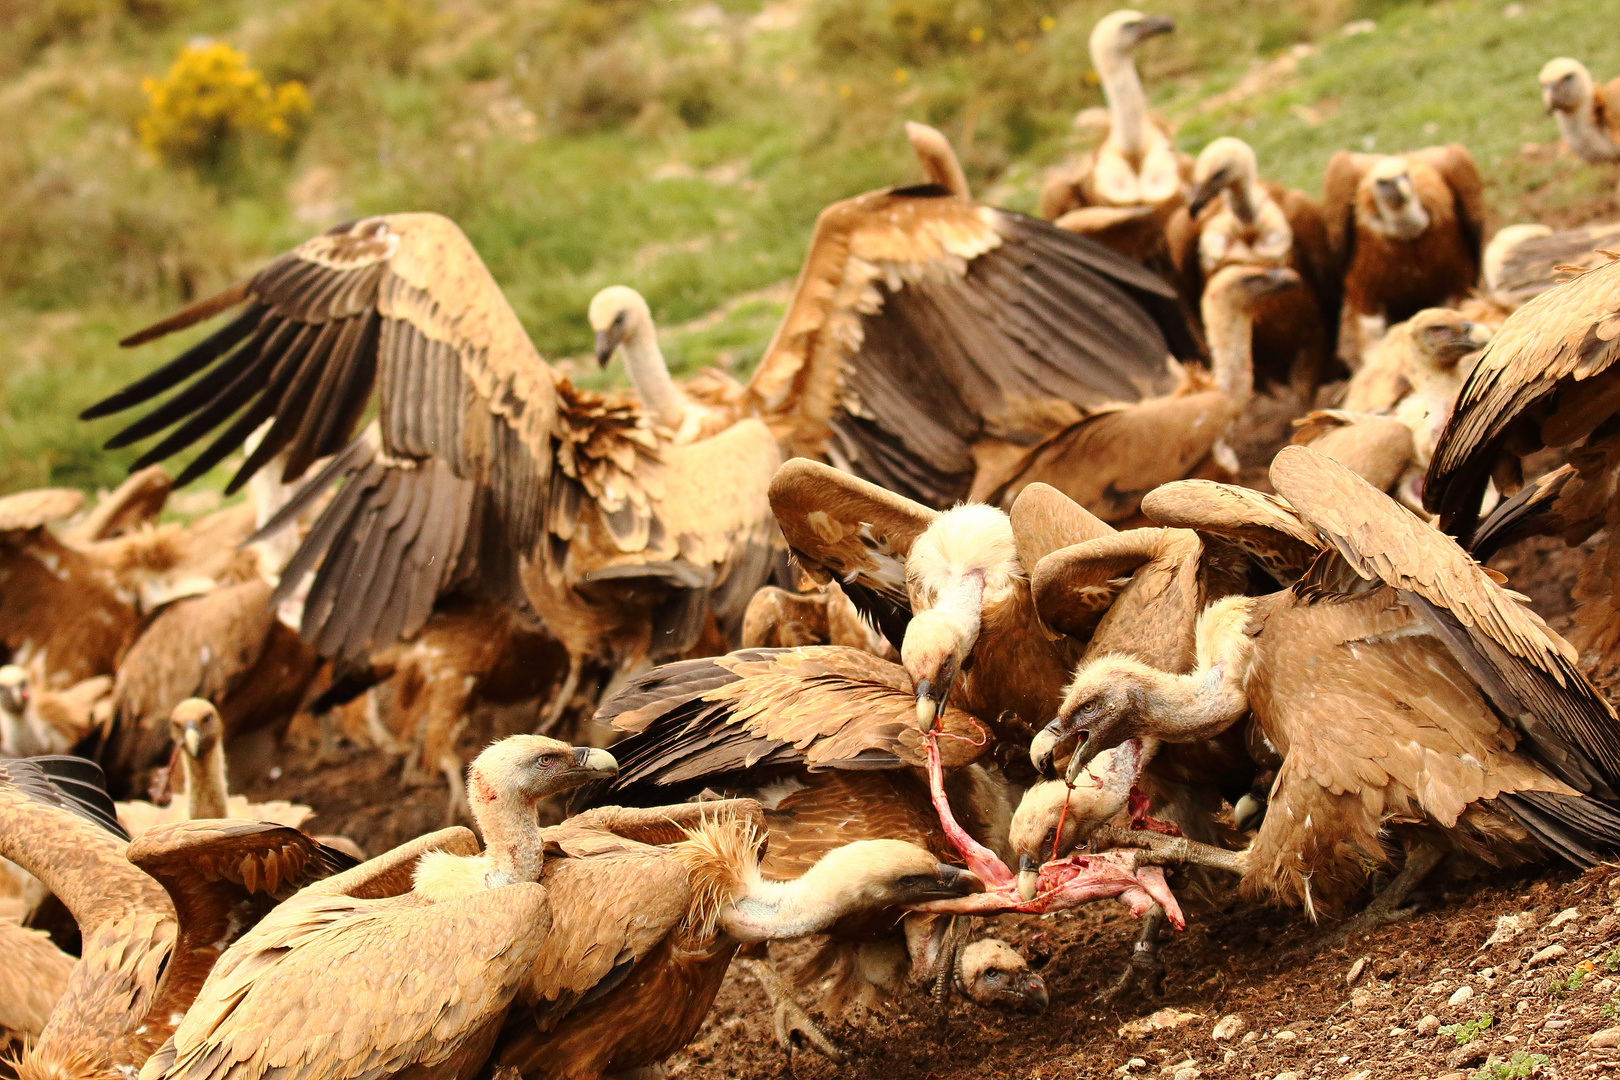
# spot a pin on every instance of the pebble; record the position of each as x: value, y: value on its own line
x: 1253, y: 1036
x: 1364, y: 1074
x: 1360, y: 999
x: 1227, y: 1027
x: 1355, y: 971
x: 1555, y: 1025
x: 1466, y: 1056
x: 1460, y: 995
x: 1606, y: 1037
x: 1569, y: 914
x: 1188, y: 1073
x: 1163, y: 1020
x: 1290, y: 1075
x: 1551, y: 952
x: 1135, y: 1064
x: 1507, y: 928
x: 1428, y: 1025
x: 1284, y: 1036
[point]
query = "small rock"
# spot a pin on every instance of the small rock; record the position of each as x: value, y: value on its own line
x: 1507, y: 928
x: 1163, y: 1020
x: 1188, y: 1073
x: 1135, y: 1064
x: 1551, y: 952
x: 1428, y: 1025
x: 1360, y: 999
x: 1604, y: 1038
x: 1466, y: 1056
x: 1249, y: 1037
x: 1227, y: 1027
x: 1569, y: 914
x: 1284, y: 1036
x: 1604, y: 987
x: 1555, y: 1025
x: 1364, y: 1074
x: 1460, y: 995
x: 1355, y: 972
x: 1290, y: 1075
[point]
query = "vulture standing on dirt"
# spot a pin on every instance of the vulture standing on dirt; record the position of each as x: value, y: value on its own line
x: 1136, y: 164
x: 1404, y: 691
x: 270, y: 1005
x: 1548, y: 379
x: 1584, y: 111
x: 483, y: 468
x: 1408, y: 230
x: 144, y: 953
x: 1110, y: 458
x: 1235, y: 219
x: 824, y: 737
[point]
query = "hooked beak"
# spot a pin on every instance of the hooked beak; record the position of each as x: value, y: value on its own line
x: 1478, y: 334
x: 1248, y: 813
x: 593, y: 764
x: 608, y: 342
x: 952, y: 883
x: 1212, y: 186
x: 1036, y: 999
x: 931, y: 696
x: 1085, y: 751
x: 1042, y: 747
x: 1029, y: 878
x: 191, y: 735
x: 1153, y: 26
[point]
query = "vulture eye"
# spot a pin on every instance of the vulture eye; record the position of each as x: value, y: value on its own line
x: 994, y: 973
x: 1091, y: 708
x: 915, y: 881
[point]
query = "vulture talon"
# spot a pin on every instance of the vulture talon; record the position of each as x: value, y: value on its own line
x: 1144, y: 975
x: 793, y: 1026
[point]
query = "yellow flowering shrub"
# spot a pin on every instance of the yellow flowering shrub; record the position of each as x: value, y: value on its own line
x: 211, y: 98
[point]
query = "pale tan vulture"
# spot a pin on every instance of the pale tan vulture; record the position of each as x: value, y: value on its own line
x: 1584, y: 111
x: 483, y: 468
x: 1408, y: 230
x: 1234, y: 218
x: 1524, y: 261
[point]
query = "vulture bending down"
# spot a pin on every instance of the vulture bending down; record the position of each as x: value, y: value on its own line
x: 482, y: 469
x: 1404, y: 691
x: 1235, y: 219
x: 1408, y: 231
x: 1136, y: 164
x: 648, y: 909
x: 1585, y: 112
x: 315, y: 988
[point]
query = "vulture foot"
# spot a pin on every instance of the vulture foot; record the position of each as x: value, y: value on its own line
x: 794, y: 1028
x: 1144, y: 974
x: 948, y: 968
x: 1385, y: 908
x: 1158, y: 848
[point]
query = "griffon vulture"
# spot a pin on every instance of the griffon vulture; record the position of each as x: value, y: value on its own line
x: 1584, y: 111
x: 1404, y: 691
x: 483, y: 468
x: 1408, y: 230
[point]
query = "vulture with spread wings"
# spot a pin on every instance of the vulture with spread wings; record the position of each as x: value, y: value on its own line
x: 482, y: 468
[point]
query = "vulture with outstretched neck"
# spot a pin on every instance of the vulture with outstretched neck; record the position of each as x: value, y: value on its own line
x: 1549, y: 378
x: 270, y: 1003
x: 1405, y: 692
x: 1136, y: 164
x: 649, y: 906
x: 1584, y: 111
x: 1233, y: 218
x: 144, y: 952
x: 1107, y: 460
x: 482, y: 469
x: 1408, y: 230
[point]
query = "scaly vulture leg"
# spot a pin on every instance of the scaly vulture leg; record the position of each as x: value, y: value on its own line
x: 790, y: 1017
x: 1144, y: 974
x: 565, y: 695
x: 953, y: 932
x: 1157, y: 848
x: 1385, y: 908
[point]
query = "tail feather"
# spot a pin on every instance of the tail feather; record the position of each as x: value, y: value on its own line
x: 1579, y: 829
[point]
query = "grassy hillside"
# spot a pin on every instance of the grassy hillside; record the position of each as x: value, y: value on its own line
x: 679, y: 146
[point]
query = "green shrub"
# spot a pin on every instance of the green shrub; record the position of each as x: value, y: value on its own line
x: 316, y: 39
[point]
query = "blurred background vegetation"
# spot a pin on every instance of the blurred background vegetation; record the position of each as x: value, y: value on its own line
x: 155, y: 150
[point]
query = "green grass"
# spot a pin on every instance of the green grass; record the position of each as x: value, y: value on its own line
x: 680, y: 147
x: 1469, y: 1030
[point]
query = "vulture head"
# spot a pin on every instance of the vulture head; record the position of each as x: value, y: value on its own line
x: 1441, y: 337
x: 524, y: 769
x: 964, y: 564
x: 619, y: 316
x: 14, y: 692
x: 992, y: 974
x: 1225, y: 163
x: 937, y: 158
x: 1118, y: 33
x: 196, y: 727
x: 1566, y: 85
x: 1241, y: 288
x: 1398, y: 211
x: 870, y: 875
x: 1054, y: 818
x: 1112, y: 699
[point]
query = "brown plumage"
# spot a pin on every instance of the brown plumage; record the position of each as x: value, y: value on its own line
x: 482, y: 468
x: 1408, y: 230
x: 777, y: 618
x: 926, y: 328
x: 1109, y: 459
x: 1524, y: 261
x: 650, y: 906
x: 1588, y: 115
x: 1233, y: 218
x: 36, y: 974
x: 135, y: 503
x: 1403, y: 689
x: 269, y: 1003
x: 1135, y: 164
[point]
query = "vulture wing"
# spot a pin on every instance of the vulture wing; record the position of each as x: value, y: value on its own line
x: 1534, y: 511
x: 840, y: 527
x: 1528, y: 672
x: 1376, y: 448
x: 1264, y: 526
x: 32, y: 509
x: 761, y: 710
x: 223, y: 877
x: 332, y: 988
x: 1531, y: 266
x: 1344, y: 172
x: 923, y: 321
x: 1045, y: 520
x: 1456, y: 165
x: 37, y: 973
x: 1077, y: 585
x: 1313, y: 256
x: 1522, y: 393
